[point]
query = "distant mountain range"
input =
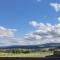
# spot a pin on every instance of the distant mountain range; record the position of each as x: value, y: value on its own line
x: 47, y: 45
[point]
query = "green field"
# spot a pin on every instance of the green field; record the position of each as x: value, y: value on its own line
x: 33, y: 54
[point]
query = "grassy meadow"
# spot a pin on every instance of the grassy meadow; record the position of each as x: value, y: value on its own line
x: 18, y: 52
x: 33, y: 54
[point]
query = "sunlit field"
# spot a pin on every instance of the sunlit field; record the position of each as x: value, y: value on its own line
x: 33, y: 54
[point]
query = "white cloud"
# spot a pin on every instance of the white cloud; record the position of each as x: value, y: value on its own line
x: 46, y: 26
x: 34, y: 23
x: 58, y: 18
x: 56, y: 6
x: 7, y: 32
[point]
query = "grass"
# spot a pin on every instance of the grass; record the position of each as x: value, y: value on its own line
x: 33, y: 54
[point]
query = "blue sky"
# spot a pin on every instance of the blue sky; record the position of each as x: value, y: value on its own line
x: 25, y: 16
x: 17, y: 14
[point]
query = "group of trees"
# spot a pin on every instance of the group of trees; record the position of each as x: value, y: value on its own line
x: 16, y: 50
x: 20, y: 50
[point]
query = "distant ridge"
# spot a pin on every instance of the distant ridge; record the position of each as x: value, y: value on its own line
x: 47, y: 45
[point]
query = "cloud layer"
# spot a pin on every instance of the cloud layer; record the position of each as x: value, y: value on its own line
x: 45, y: 33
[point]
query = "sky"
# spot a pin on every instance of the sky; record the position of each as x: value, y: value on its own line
x: 26, y: 22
